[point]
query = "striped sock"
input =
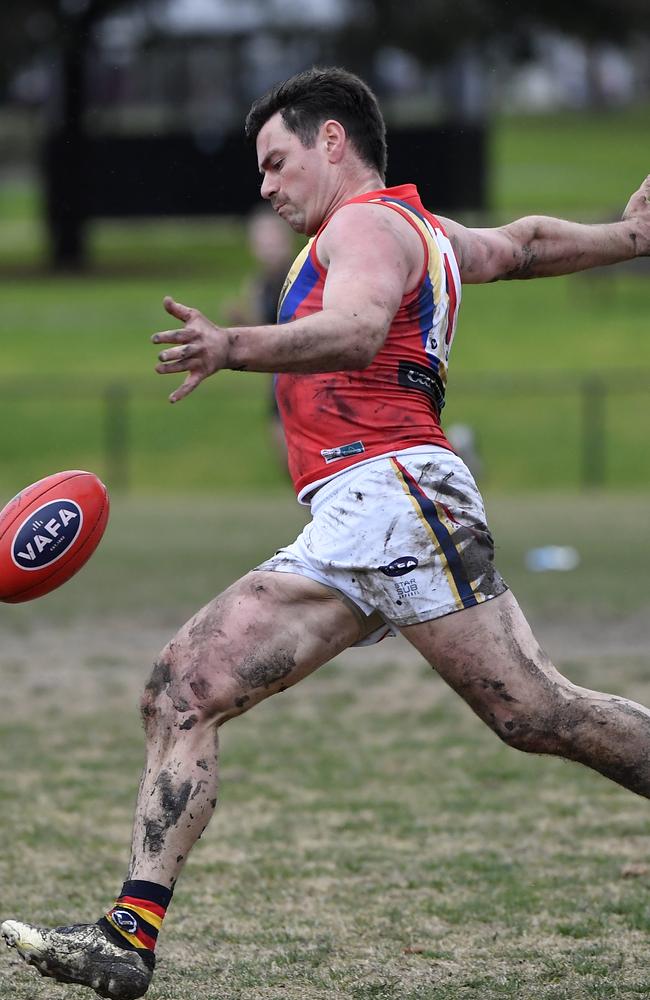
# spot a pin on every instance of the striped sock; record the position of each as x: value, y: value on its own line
x: 136, y: 918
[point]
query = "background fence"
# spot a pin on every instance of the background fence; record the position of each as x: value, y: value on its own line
x: 533, y: 431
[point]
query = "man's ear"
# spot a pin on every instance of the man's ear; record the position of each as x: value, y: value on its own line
x: 335, y: 138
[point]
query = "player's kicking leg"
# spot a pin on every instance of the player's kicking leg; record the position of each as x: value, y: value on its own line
x: 260, y: 637
x: 489, y: 655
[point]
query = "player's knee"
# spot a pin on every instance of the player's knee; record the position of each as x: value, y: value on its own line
x: 538, y: 727
x: 521, y: 733
x: 178, y: 695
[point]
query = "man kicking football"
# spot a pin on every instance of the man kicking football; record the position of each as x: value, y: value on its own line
x: 398, y: 540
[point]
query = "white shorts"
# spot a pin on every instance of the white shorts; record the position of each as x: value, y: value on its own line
x: 402, y: 536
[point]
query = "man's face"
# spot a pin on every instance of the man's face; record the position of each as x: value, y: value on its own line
x: 294, y: 177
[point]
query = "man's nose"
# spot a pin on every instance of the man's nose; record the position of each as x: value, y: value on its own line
x: 269, y: 186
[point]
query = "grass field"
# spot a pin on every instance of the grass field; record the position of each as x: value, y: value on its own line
x: 70, y: 339
x: 373, y: 841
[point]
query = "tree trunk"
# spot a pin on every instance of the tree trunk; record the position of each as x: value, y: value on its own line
x: 64, y: 162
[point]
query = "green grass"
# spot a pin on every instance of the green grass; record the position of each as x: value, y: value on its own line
x: 373, y: 839
x: 70, y: 339
x: 582, y: 165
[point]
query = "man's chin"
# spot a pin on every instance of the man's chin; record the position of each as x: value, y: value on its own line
x: 298, y: 225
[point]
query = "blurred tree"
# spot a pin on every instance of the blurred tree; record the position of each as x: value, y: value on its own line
x: 427, y: 27
x: 430, y: 29
x: 61, y: 33
x: 593, y: 20
x: 434, y: 30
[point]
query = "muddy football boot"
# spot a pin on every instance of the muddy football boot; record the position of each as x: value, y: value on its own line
x: 82, y: 954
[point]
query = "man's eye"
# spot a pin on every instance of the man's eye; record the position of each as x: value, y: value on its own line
x: 278, y: 164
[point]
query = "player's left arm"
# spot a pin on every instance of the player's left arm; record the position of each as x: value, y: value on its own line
x: 367, y: 274
x: 539, y: 246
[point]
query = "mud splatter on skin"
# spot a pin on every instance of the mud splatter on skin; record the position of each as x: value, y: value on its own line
x: 524, y: 266
x: 189, y: 723
x: 531, y: 668
x: 173, y: 802
x: 159, y: 682
x: 263, y: 672
x: 199, y: 788
x: 160, y: 678
x: 603, y: 732
x: 203, y: 764
x: 499, y: 689
x: 201, y: 688
x: 207, y: 626
x: 240, y: 702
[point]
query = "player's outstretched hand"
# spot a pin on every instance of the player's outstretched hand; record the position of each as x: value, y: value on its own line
x: 202, y: 348
x: 637, y: 210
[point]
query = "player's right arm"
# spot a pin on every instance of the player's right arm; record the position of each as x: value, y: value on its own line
x: 539, y: 246
x: 371, y: 256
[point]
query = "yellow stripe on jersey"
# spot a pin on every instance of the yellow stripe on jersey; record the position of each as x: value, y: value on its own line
x: 294, y: 271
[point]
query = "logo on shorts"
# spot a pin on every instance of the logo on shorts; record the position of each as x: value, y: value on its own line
x: 125, y: 921
x: 46, y: 534
x: 400, y: 566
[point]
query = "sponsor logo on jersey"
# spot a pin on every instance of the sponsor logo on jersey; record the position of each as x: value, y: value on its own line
x: 46, y: 534
x: 411, y: 375
x: 400, y: 566
x: 343, y: 451
x: 125, y: 921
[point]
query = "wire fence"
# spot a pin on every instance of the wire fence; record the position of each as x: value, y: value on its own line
x: 533, y: 430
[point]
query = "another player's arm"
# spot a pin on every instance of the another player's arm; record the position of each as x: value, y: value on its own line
x: 539, y: 246
x: 368, y: 269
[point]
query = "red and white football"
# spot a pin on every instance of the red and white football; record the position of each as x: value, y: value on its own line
x: 48, y: 531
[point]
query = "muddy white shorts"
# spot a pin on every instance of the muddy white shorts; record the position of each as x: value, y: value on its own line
x: 403, y: 538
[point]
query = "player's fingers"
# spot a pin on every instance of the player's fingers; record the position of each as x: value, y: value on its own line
x: 182, y: 353
x: 171, y: 367
x: 188, y: 386
x: 177, y: 309
x: 182, y: 336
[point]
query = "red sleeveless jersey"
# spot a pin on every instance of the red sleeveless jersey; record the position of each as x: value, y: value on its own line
x: 333, y: 420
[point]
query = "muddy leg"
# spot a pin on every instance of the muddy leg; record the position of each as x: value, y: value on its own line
x: 489, y: 655
x: 262, y: 636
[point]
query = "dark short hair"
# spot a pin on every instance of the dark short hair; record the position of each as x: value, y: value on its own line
x: 310, y: 98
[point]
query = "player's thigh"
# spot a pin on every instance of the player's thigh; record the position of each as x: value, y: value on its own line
x: 490, y: 656
x: 262, y: 635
